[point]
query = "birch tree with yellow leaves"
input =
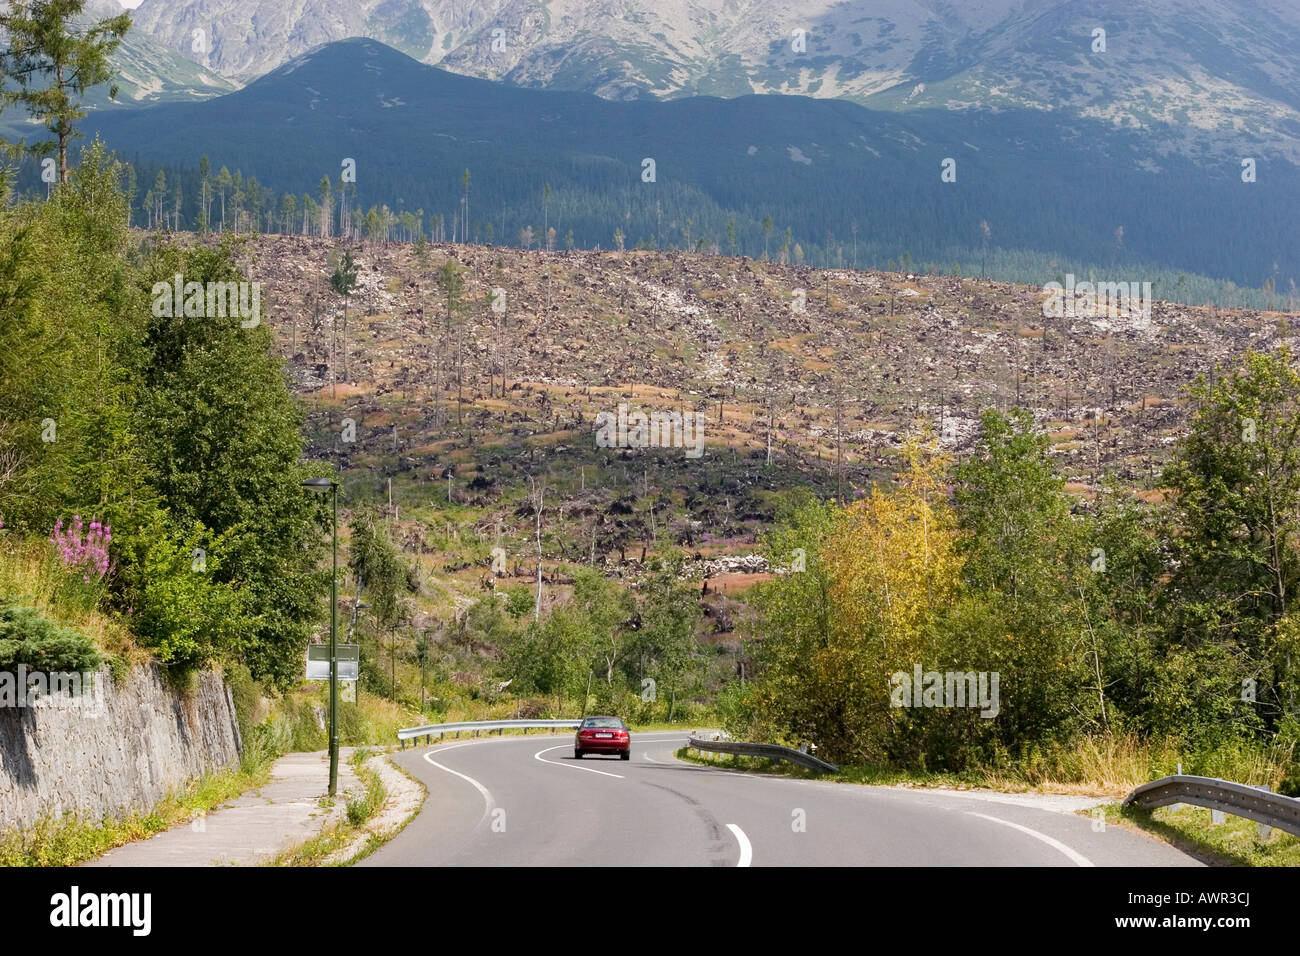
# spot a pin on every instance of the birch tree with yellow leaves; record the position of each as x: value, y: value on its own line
x: 878, y: 572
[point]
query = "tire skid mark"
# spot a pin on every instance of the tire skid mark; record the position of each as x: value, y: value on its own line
x: 720, y: 840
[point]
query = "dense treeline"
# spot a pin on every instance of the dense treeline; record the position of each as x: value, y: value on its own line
x: 1165, y: 621
x: 208, y: 199
x: 176, y: 433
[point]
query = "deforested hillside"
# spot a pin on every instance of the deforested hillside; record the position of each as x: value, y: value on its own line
x: 800, y: 376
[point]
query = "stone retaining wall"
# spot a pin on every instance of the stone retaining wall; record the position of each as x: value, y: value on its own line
x: 121, y: 747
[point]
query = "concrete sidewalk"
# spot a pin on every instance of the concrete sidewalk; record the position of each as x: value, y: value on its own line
x: 256, y: 827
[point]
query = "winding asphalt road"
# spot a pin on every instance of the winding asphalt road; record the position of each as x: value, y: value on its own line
x: 525, y: 801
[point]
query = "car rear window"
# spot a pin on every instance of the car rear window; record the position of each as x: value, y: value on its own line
x: 613, y: 722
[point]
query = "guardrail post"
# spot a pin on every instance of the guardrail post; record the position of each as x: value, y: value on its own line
x: 1263, y: 830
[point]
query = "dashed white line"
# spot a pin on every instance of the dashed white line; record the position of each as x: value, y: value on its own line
x: 746, y: 851
x: 1078, y: 858
x: 575, y: 765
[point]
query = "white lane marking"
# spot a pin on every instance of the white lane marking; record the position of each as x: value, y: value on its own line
x: 746, y: 851
x: 575, y: 766
x: 452, y: 745
x: 1078, y: 858
x: 646, y: 753
x: 488, y: 802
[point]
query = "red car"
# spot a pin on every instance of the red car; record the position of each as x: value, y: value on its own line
x: 603, y: 735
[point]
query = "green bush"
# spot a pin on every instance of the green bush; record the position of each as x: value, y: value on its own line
x: 1288, y: 742
x: 308, y: 732
x: 519, y: 600
x: 693, y: 712
x: 29, y: 638
x: 361, y: 809
x: 266, y: 742
x: 737, y: 713
x: 182, y: 611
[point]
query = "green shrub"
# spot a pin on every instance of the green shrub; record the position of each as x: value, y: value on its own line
x: 246, y: 693
x: 519, y: 600
x: 737, y: 713
x: 1288, y: 742
x: 266, y: 742
x: 29, y: 638
x: 308, y: 732
x: 361, y: 809
x: 186, y: 617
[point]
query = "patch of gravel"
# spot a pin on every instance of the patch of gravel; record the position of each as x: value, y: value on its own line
x: 1055, y: 802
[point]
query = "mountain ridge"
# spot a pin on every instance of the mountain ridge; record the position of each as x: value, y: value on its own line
x: 1237, y: 86
x: 816, y: 166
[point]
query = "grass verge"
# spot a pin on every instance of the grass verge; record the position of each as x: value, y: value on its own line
x: 375, y: 841
x: 1090, y: 766
x: 357, y: 813
x: 1235, y: 842
x: 865, y: 775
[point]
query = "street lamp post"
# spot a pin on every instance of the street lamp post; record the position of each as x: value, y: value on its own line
x: 356, y: 610
x: 352, y: 627
x: 326, y: 484
x: 424, y: 659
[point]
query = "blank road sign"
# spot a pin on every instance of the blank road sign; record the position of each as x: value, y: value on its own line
x: 318, y: 661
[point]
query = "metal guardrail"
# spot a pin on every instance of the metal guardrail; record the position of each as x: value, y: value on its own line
x: 410, y: 733
x: 1239, y: 799
x: 774, y: 751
